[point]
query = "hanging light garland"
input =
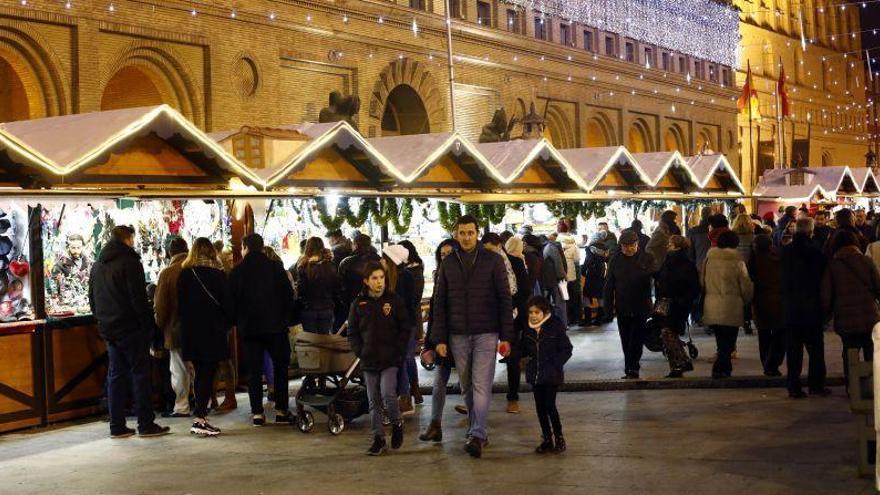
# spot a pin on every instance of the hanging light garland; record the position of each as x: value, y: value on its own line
x: 707, y: 30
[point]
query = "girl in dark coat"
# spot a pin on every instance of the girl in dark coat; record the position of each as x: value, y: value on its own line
x: 403, y: 283
x: 416, y: 267
x: 203, y: 301
x: 547, y: 345
x: 679, y: 283
x: 533, y: 253
x: 593, y: 273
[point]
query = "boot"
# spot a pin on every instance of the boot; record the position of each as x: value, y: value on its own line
x: 416, y: 393
x: 434, y: 433
x: 560, y: 444
x: 378, y: 447
x: 397, y: 435
x: 545, y: 447
x: 406, y: 407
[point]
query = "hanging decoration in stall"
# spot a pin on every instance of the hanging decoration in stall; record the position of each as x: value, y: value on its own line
x: 14, y: 285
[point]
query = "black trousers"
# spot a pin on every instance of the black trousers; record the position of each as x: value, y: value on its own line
x: 203, y: 386
x: 514, y: 373
x: 166, y: 392
x: 545, y: 406
x: 772, y: 343
x: 278, y: 346
x: 725, y: 341
x: 812, y: 339
x: 856, y: 341
x: 632, y: 339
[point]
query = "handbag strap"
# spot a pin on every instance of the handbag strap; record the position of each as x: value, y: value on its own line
x: 204, y: 288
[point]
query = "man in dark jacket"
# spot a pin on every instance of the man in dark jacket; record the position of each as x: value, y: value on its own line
x: 637, y: 227
x: 781, y: 226
x: 802, y: 268
x: 351, y: 271
x: 118, y: 298
x: 700, y: 244
x: 821, y: 230
x: 472, y: 310
x: 340, y: 246
x: 554, y: 269
x: 628, y: 288
x: 262, y: 301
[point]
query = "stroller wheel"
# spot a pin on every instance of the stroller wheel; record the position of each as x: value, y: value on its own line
x: 336, y: 424
x: 305, y: 422
x: 693, y: 351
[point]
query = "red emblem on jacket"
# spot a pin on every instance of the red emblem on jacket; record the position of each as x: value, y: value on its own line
x: 386, y: 308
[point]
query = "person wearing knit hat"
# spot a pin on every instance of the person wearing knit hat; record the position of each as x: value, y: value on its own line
x: 403, y: 283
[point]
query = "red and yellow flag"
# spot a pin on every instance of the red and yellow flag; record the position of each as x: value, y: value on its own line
x: 748, y: 100
x: 784, y: 107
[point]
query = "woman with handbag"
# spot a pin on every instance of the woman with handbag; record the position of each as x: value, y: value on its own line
x: 203, y: 302
x: 318, y: 286
x: 678, y: 286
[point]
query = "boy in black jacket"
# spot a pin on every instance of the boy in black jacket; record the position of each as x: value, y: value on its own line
x: 378, y: 331
x: 546, y: 343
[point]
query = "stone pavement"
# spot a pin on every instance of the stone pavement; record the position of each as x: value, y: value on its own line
x: 742, y: 441
x: 597, y: 364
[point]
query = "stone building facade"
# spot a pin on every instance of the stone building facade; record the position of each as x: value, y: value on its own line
x: 825, y: 82
x: 226, y: 63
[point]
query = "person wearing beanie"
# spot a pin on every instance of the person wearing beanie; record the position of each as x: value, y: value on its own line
x: 401, y: 282
x: 628, y: 289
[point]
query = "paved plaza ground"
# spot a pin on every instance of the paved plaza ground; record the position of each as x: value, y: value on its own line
x: 717, y: 441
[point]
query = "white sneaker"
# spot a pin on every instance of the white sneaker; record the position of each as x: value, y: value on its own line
x: 204, y: 429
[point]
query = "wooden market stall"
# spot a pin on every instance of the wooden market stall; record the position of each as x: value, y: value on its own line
x: 83, y: 159
x: 611, y: 169
x: 532, y: 164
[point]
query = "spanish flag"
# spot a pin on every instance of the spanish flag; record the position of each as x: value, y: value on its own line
x: 784, y: 107
x: 748, y: 100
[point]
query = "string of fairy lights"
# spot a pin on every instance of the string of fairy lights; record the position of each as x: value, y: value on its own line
x: 628, y: 16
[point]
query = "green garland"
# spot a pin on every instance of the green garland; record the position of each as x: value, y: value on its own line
x: 573, y: 209
x: 449, y: 213
x: 328, y: 221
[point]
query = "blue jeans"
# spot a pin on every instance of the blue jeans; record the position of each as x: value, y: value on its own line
x: 438, y: 393
x: 475, y: 361
x: 382, y: 387
x: 129, y: 364
x: 408, y: 370
x: 317, y: 321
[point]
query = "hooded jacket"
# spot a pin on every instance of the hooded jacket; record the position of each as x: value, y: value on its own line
x: 472, y: 304
x: 205, y: 318
x: 549, y: 350
x: 700, y: 244
x: 165, y: 302
x: 118, y: 294
x: 727, y: 288
x: 593, y: 269
x: 554, y: 267
x: 572, y: 256
x: 850, y: 291
x: 262, y: 297
x: 379, y: 330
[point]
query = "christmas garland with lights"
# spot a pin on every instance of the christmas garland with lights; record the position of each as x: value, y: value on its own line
x: 573, y: 209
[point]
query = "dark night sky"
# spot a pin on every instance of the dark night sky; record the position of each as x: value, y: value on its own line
x: 870, y: 18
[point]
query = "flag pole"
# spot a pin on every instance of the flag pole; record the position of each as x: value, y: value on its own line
x: 780, y: 116
x: 751, y: 147
x: 450, y: 63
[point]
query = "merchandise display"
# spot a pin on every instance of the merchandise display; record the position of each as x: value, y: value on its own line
x: 73, y: 233
x: 15, y: 290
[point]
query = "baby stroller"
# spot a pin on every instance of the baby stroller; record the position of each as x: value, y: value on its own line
x: 654, y: 343
x: 332, y: 382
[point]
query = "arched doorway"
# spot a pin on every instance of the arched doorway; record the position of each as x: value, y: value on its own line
x: 673, y: 139
x: 638, y: 139
x: 14, y: 103
x: 404, y: 113
x: 599, y: 132
x: 132, y: 87
x: 704, y: 141
x: 827, y: 159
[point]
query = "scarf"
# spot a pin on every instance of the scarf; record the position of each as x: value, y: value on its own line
x: 540, y: 323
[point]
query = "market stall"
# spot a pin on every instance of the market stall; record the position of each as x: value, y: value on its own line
x: 94, y: 162
x: 531, y: 165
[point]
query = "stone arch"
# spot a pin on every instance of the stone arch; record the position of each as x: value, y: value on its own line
x: 415, y: 75
x: 600, y: 131
x: 404, y: 113
x: 558, y: 129
x: 827, y: 159
x: 704, y: 138
x: 638, y: 138
x: 35, y: 88
x: 158, y: 72
x: 673, y: 139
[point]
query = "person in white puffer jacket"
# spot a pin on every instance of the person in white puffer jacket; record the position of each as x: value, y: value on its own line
x: 573, y: 262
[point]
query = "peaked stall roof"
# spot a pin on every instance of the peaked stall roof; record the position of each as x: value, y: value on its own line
x: 415, y: 154
x: 658, y: 164
x: 594, y: 164
x: 865, y: 179
x: 66, y: 144
x: 512, y: 158
x: 775, y: 183
x: 705, y: 167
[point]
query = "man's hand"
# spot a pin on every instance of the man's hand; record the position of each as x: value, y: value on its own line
x: 504, y: 348
x: 441, y: 350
